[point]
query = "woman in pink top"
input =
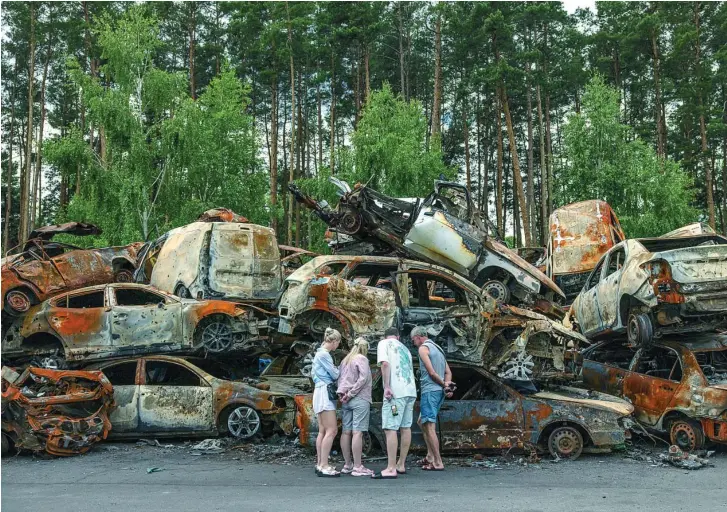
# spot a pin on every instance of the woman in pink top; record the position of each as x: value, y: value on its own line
x: 354, y: 390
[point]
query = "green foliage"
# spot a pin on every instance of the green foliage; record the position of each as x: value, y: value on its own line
x: 603, y: 160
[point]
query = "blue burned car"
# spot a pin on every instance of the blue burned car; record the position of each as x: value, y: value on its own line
x: 488, y: 414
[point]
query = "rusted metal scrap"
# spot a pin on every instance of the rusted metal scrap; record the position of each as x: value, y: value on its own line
x: 221, y: 215
x: 61, y: 412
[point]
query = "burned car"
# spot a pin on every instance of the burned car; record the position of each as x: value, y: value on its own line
x: 60, y: 412
x: 696, y: 228
x: 363, y: 296
x: 487, y: 413
x: 126, y: 319
x: 677, y: 386
x: 647, y: 287
x: 175, y: 396
x: 214, y: 260
x: 292, y: 258
x: 46, y: 268
x: 445, y: 229
x: 580, y: 234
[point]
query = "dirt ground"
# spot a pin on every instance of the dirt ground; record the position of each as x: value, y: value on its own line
x: 278, y: 476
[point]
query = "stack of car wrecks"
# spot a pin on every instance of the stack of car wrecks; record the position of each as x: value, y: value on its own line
x: 560, y: 349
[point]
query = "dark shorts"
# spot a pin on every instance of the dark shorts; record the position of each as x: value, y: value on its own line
x: 429, y: 406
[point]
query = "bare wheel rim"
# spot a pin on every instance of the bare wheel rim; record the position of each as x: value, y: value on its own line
x: 124, y: 276
x: 49, y: 362
x: 496, y: 290
x: 684, y: 436
x: 633, y: 328
x: 217, y: 336
x: 566, y: 443
x: 18, y: 301
x: 243, y: 422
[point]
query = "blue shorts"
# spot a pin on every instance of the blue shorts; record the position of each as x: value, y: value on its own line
x: 429, y: 406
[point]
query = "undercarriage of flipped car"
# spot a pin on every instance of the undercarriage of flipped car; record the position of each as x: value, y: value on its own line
x: 446, y: 229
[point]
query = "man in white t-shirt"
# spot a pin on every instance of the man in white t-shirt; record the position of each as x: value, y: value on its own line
x: 400, y: 392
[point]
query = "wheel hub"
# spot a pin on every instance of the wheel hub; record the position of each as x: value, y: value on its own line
x: 243, y: 422
x: 566, y: 443
x: 496, y: 290
x: 217, y: 337
x: 684, y: 436
x: 18, y: 301
x: 520, y: 367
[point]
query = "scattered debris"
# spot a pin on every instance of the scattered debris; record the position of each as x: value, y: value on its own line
x: 154, y: 470
x: 683, y: 460
x: 209, y: 446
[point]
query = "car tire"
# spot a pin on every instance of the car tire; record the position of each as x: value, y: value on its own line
x: 7, y: 444
x: 18, y: 302
x: 640, y: 330
x: 498, y: 290
x: 240, y: 421
x: 687, y: 434
x: 124, y: 275
x: 565, y: 442
x: 214, y: 334
x: 182, y: 292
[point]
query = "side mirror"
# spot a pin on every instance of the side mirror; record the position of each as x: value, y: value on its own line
x: 160, y: 305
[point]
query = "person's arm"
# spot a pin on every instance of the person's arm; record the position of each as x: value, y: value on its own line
x: 362, y: 366
x: 327, y: 363
x: 447, y: 380
x: 382, y: 359
x: 424, y: 354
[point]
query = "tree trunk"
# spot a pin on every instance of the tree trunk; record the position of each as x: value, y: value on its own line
x: 38, y: 180
x: 274, y: 151
x: 333, y: 114
x: 466, y: 134
x: 549, y: 153
x: 299, y: 159
x: 517, y: 177
x: 531, y: 181
x: 25, y: 174
x: 479, y: 149
x: 724, y: 183
x: 660, y: 127
x: 192, y: 28
x: 367, y: 59
x: 320, y: 127
x: 545, y: 228
x: 402, y: 78
x: 703, y: 125
x: 499, y: 204
x: 291, y: 178
x: 9, y: 180
x: 436, y: 106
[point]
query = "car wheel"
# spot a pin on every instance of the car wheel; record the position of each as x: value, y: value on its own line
x: 124, y: 276
x: 242, y: 422
x: 215, y: 335
x: 498, y: 291
x: 182, y: 292
x: 640, y: 330
x: 50, y: 362
x: 17, y: 302
x: 686, y: 434
x: 565, y: 443
x: 7, y: 444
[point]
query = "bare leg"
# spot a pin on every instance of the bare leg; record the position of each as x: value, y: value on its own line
x: 428, y: 457
x: 392, y: 442
x: 357, y: 445
x: 328, y: 420
x: 319, y: 438
x: 404, y: 449
x: 346, y: 448
x: 430, y: 433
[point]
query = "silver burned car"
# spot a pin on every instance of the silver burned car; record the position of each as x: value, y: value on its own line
x: 650, y: 286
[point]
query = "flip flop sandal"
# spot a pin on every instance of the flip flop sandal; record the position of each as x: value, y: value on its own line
x: 400, y: 472
x: 362, y: 472
x: 423, y: 462
x: 379, y: 476
x: 318, y: 470
x: 429, y: 467
x: 329, y: 473
x: 346, y: 471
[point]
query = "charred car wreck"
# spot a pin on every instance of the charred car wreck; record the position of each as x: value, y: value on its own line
x: 59, y: 412
x: 445, y: 229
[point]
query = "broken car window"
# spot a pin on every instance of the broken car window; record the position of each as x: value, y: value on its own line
x: 82, y: 301
x: 713, y: 365
x: 612, y: 355
x: 615, y: 261
x: 434, y: 292
x: 595, y: 275
x: 472, y: 385
x: 378, y: 276
x: 659, y: 362
x: 136, y: 297
x: 159, y: 373
x: 123, y: 374
x: 330, y: 269
x: 452, y: 200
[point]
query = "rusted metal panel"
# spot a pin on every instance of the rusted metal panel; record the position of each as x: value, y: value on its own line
x: 164, y: 408
x: 59, y: 411
x: 221, y: 215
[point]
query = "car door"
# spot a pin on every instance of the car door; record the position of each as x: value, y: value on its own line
x: 123, y: 376
x: 482, y: 414
x: 607, y: 291
x: 83, y: 321
x: 144, y: 320
x: 605, y: 367
x: 586, y: 307
x: 655, y: 376
x: 174, y: 398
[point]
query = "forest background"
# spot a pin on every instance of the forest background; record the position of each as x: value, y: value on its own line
x: 139, y: 116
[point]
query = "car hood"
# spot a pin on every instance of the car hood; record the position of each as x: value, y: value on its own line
x: 591, y: 399
x: 288, y: 385
x: 511, y: 255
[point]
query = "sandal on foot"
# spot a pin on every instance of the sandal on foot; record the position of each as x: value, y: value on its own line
x: 423, y: 462
x: 379, y: 476
x: 329, y: 472
x: 362, y: 471
x: 346, y: 471
x: 430, y: 467
x: 401, y: 472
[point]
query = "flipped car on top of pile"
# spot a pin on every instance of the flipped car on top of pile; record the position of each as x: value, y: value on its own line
x: 651, y: 286
x: 487, y: 413
x: 126, y: 319
x: 363, y: 296
x: 446, y: 229
x: 677, y: 386
x: 46, y: 268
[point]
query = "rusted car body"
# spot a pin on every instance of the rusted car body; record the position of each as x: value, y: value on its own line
x: 580, y: 234
x: 487, y: 413
x: 126, y: 319
x: 61, y: 412
x: 46, y: 268
x: 214, y: 260
x: 175, y: 396
x: 445, y: 229
x: 292, y: 258
x: 363, y: 296
x: 677, y: 387
x: 651, y: 286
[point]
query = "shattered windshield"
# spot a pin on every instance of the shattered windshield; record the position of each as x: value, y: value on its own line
x: 713, y: 365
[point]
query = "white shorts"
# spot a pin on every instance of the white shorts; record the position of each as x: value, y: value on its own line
x: 321, y: 402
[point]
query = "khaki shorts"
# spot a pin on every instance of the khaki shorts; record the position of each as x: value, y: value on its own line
x: 355, y: 415
x: 405, y: 410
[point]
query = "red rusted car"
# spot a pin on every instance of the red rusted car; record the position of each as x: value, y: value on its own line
x: 677, y: 387
x: 46, y: 268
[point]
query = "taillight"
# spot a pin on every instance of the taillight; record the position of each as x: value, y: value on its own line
x: 657, y: 270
